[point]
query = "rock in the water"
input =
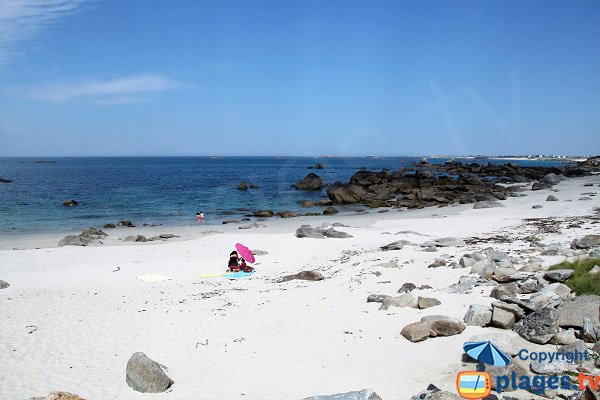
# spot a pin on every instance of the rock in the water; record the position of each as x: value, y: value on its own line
x: 558, y: 275
x: 263, y: 213
x: 304, y: 275
x: 135, y: 238
x: 487, y: 204
x: 404, y: 300
x: 346, y: 194
x: 571, y: 313
x: 243, y: 186
x: 586, y: 242
x: 324, y: 202
x: 287, y: 214
x: 4, y: 285
x: 145, y: 375
x: 330, y: 211
x: 551, y: 198
x: 365, y: 394
x: 427, y: 302
x: 416, y: 331
x: 126, y: 223
x: 478, y: 315
x: 109, y: 226
x: 307, y: 231
x: 231, y: 221
x: 70, y: 203
x: 539, y: 326
x: 5, y: 180
x: 310, y: 182
x: 407, y: 287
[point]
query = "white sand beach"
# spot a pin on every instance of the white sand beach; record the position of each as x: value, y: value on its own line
x: 73, y: 316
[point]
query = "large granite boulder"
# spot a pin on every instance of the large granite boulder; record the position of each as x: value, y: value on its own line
x: 346, y: 194
x: 558, y: 275
x: 365, y: 394
x: 417, y: 331
x: 447, y: 327
x: 404, y: 300
x: 126, y: 223
x: 539, y: 326
x: 287, y: 214
x: 145, y: 375
x: 310, y: 182
x: 478, y: 315
x: 586, y: 242
x: 572, y: 313
x: 330, y: 211
x: 74, y: 240
x: 263, y: 213
x: 307, y: 231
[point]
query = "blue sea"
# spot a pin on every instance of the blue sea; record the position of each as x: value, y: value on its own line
x: 164, y: 190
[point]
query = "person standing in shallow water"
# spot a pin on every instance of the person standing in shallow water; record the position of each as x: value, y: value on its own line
x: 200, y: 217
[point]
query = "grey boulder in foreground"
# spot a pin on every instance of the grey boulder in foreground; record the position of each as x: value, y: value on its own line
x: 145, y: 375
x: 365, y: 394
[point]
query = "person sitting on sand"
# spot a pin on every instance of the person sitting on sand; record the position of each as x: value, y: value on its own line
x: 245, y: 267
x: 233, y: 266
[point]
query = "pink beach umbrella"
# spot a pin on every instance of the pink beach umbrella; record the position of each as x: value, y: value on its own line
x: 245, y: 252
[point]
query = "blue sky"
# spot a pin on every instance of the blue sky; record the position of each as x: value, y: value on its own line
x: 84, y: 78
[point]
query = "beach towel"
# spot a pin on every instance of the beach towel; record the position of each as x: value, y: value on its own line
x: 153, y: 278
x: 238, y: 275
x: 217, y: 275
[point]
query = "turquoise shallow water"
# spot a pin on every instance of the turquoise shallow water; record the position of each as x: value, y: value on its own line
x: 162, y: 190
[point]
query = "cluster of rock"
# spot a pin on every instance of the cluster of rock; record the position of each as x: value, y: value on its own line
x: 88, y: 237
x: 442, y: 184
x: 533, y: 302
x: 123, y: 223
x: 322, y: 232
x: 92, y: 237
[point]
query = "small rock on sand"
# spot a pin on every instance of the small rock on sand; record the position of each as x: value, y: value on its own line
x: 145, y: 375
x: 4, y: 285
x: 487, y: 204
x: 427, y: 302
x: 551, y: 198
x: 304, y: 275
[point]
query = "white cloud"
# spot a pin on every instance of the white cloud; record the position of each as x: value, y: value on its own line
x: 23, y: 20
x: 129, y: 89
